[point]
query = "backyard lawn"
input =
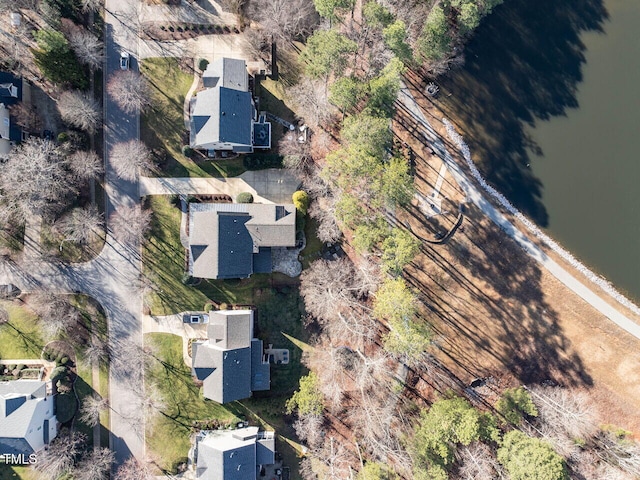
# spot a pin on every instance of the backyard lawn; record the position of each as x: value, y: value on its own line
x: 162, y: 126
x: 164, y: 263
x: 168, y: 434
x: 21, y: 336
x: 16, y: 473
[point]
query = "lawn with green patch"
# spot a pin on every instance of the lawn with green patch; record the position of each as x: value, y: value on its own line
x: 164, y: 263
x: 162, y: 126
x: 21, y: 336
x: 279, y: 317
x: 169, y: 431
x: 14, y: 472
x: 314, y: 246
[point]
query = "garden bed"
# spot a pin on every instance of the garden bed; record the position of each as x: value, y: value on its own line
x: 179, y: 31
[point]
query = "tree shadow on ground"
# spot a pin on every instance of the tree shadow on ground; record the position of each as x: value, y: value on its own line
x: 484, y: 299
x: 524, y: 64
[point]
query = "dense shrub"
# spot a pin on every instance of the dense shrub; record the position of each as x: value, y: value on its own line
x: 244, y: 197
x: 223, y: 306
x: 209, y: 306
x: 63, y: 137
x: 187, y: 151
x: 301, y: 201
x: 66, y: 406
x: 260, y: 161
x: 203, y: 62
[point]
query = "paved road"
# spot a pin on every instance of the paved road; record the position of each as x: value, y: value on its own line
x: 474, y: 194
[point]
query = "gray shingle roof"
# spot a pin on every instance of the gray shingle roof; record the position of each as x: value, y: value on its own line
x: 223, y: 113
x: 225, y: 362
x: 232, y: 71
x: 234, y: 327
x: 232, y: 455
x: 24, y: 410
x: 223, y: 238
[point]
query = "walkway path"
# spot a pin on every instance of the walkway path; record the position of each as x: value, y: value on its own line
x: 267, y: 186
x: 475, y: 195
x: 186, y: 107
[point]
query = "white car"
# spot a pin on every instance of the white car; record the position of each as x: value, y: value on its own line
x: 124, y: 61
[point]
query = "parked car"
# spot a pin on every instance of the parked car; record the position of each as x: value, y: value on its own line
x: 195, y: 317
x: 124, y: 61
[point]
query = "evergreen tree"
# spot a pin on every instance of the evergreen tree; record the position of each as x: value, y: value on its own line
x: 526, y: 458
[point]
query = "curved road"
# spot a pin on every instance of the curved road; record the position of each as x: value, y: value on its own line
x: 111, y: 277
x: 475, y: 195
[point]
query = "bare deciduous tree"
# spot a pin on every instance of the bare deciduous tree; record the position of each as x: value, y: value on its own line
x: 131, y: 224
x: 130, y: 90
x: 132, y: 469
x: 625, y: 455
x: 92, y: 406
x: 33, y: 180
x: 59, y: 457
x: 312, y: 99
x: 285, y: 21
x: 130, y: 159
x: 332, y: 377
x: 80, y: 110
x: 81, y: 225
x: 323, y: 211
x: 96, y: 465
x: 56, y: 313
x: 96, y: 351
x: 310, y: 429
x: 565, y: 412
x: 297, y: 154
x: 477, y: 462
x: 88, y: 48
x: 85, y: 164
x: 333, y: 293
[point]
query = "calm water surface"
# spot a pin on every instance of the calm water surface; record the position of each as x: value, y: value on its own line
x: 561, y: 136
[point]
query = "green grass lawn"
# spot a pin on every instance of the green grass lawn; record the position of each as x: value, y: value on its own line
x: 162, y: 127
x: 21, y: 336
x: 280, y: 313
x: 12, y: 472
x: 164, y: 263
x: 314, y: 246
x: 168, y: 435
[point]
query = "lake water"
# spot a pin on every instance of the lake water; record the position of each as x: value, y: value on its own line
x: 558, y: 87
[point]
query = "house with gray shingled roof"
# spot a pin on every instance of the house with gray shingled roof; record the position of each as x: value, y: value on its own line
x: 10, y: 94
x: 27, y: 417
x: 223, y: 115
x: 234, y: 240
x: 231, y: 364
x: 233, y: 454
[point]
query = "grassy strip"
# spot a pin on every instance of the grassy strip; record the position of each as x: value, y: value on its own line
x: 21, y: 336
x: 14, y: 472
x: 169, y: 431
x: 162, y: 127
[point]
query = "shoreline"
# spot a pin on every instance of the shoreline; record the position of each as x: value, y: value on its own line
x: 598, y: 280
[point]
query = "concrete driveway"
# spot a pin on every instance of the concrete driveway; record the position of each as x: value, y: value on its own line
x: 267, y: 186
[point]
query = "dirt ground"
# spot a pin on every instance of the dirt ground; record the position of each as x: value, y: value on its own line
x: 496, y: 312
